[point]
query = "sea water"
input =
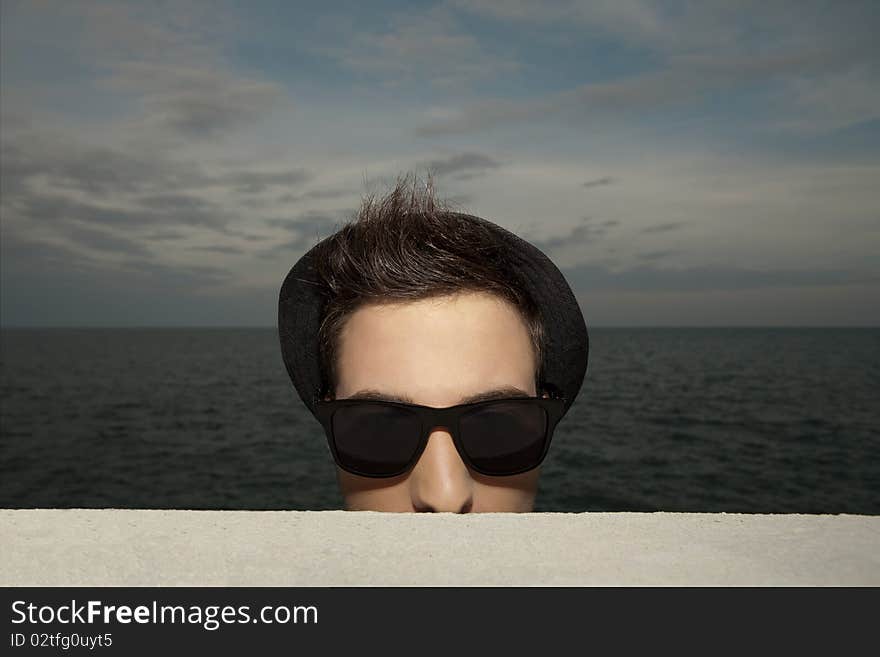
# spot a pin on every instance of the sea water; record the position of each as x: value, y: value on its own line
x: 776, y: 420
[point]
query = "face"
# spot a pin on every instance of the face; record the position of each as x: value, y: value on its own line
x: 437, y: 352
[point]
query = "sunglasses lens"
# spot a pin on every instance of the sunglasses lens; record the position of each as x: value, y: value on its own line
x: 504, y: 437
x: 375, y: 440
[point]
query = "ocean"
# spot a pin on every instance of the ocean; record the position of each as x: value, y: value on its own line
x: 751, y: 420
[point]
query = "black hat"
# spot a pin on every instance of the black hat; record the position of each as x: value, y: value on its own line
x: 566, y: 342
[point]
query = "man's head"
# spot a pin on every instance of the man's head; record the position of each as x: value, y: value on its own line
x: 409, y: 247
x: 421, y: 305
x: 423, y: 308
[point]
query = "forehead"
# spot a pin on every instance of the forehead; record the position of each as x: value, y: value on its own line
x: 435, y: 351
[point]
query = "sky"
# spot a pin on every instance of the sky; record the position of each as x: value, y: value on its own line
x: 683, y: 163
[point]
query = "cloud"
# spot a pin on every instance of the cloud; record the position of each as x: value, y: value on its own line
x: 585, y: 278
x: 208, y: 106
x: 308, y: 229
x: 248, y: 237
x: 166, y: 139
x: 218, y: 248
x: 311, y: 221
x: 66, y: 164
x: 256, y: 182
x: 464, y: 165
x: 425, y: 47
x: 170, y: 65
x: 832, y: 101
x: 639, y: 20
x: 165, y: 235
x: 633, y: 21
x: 664, y: 228
x: 174, y: 203
x: 48, y: 208
x: 599, y: 182
x: 459, y: 200
x: 92, y: 211
x: 656, y: 255
x: 103, y: 241
x: 585, y: 232
x: 24, y: 257
x: 52, y: 178
x: 700, y: 52
x: 30, y: 253
x: 674, y: 26
x: 686, y: 79
x: 158, y: 275
x: 314, y: 194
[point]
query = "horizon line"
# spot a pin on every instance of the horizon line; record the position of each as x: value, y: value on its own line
x: 592, y: 326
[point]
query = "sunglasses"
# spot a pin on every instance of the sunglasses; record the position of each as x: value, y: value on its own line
x: 499, y: 437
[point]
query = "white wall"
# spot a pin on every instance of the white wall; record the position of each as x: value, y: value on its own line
x: 338, y: 548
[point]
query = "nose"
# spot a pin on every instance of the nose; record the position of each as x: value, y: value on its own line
x: 440, y: 481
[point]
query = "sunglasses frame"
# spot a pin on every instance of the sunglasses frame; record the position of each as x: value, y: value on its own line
x: 448, y: 419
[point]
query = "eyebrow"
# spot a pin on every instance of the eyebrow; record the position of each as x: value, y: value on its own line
x: 504, y: 392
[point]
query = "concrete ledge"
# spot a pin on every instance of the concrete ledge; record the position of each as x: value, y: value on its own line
x: 106, y: 547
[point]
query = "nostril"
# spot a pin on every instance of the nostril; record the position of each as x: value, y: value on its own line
x: 467, y: 507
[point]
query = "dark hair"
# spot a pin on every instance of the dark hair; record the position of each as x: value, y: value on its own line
x: 407, y: 246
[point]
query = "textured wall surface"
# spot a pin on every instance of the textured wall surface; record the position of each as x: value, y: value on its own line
x: 337, y: 548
